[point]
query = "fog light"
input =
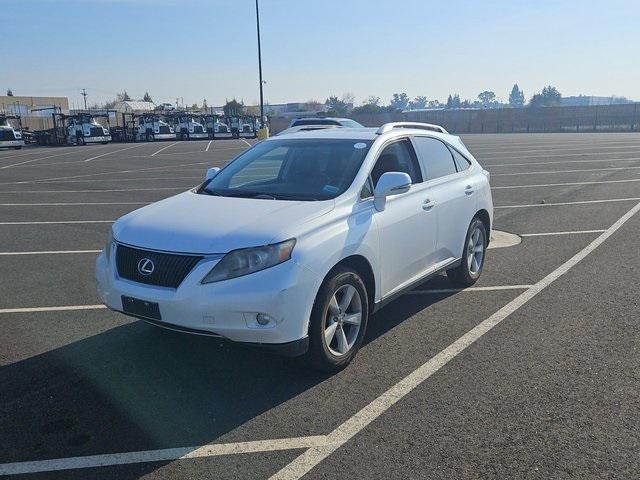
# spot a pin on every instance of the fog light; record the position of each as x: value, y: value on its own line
x: 263, y: 318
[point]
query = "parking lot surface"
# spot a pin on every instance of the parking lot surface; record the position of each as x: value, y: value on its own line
x: 532, y: 373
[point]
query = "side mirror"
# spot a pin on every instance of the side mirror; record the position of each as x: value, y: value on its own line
x: 390, y: 183
x: 211, y: 172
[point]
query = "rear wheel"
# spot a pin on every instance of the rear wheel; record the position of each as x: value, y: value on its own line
x: 475, y: 249
x: 338, y: 320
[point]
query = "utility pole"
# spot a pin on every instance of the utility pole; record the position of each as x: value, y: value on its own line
x: 84, y: 94
x: 260, y: 64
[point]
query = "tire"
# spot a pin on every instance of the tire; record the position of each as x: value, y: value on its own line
x: 17, y: 148
x: 473, y: 256
x: 79, y: 140
x: 328, y: 310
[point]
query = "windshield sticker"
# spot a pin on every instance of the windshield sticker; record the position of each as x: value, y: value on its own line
x: 330, y: 189
x: 360, y: 145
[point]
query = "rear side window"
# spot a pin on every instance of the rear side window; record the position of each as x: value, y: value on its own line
x: 437, y: 159
x: 397, y: 157
x: 461, y: 162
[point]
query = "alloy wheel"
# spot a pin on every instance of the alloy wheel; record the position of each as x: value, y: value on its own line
x: 475, y: 251
x: 342, y: 320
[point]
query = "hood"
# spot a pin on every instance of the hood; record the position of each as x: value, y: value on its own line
x: 194, y: 223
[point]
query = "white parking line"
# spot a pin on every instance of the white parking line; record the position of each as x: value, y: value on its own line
x: 583, y: 202
x: 168, y: 454
x: 66, y: 152
x: 566, y: 184
x: 543, y: 172
x: 57, y: 222
x: 563, y: 149
x: 113, y: 151
x: 141, y: 179
x: 66, y: 308
x: 591, y: 154
x: 94, y: 191
x: 347, y: 430
x: 470, y: 289
x: 208, y: 145
x: 69, y: 204
x: 635, y: 159
x: 163, y: 149
x: 48, y: 252
x: 246, y: 142
x: 574, y: 232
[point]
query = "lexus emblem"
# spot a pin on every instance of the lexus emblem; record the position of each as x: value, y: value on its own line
x: 146, y: 267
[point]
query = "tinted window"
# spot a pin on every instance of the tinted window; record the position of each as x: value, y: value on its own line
x: 437, y: 158
x: 297, y: 169
x: 367, y: 191
x: 461, y: 162
x: 397, y: 157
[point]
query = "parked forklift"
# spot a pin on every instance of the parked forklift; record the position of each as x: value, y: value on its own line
x: 187, y: 126
x: 11, y: 131
x: 77, y: 129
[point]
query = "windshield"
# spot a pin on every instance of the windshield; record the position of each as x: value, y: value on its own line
x: 301, y: 169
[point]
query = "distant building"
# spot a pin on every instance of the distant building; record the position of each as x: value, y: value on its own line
x: 587, y: 100
x: 33, y: 106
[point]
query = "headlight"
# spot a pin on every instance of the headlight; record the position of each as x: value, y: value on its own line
x: 249, y: 260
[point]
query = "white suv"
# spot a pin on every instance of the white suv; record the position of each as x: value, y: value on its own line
x: 298, y: 240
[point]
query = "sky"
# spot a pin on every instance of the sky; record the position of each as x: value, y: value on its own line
x: 196, y: 49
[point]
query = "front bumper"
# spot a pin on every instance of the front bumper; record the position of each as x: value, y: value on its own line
x: 226, y: 309
x: 100, y: 139
x: 12, y: 143
x: 198, y: 135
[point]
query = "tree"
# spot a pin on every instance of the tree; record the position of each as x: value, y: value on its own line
x: 399, y: 101
x: 418, y: 103
x: 370, y: 105
x: 549, y: 97
x: 233, y: 108
x: 336, y: 106
x: 147, y: 97
x: 487, y: 97
x: 9, y: 92
x: 204, y: 104
x: 453, y: 101
x: 312, y: 106
x: 516, y: 97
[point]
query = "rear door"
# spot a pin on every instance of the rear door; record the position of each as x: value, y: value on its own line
x: 451, y: 188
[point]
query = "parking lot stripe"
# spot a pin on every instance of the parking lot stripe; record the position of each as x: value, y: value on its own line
x: 164, y: 148
x: 347, y: 430
x: 567, y: 184
x: 55, y: 222
x: 66, y: 152
x: 607, y: 200
x: 164, y: 455
x: 113, y: 151
x: 470, y: 289
x: 555, y: 163
x: 48, y: 252
x: 591, y: 154
x: 63, y: 204
x: 575, y: 232
x: 246, y: 142
x: 208, y: 145
x: 95, y: 191
x: 66, y: 308
x: 564, y: 149
x: 543, y: 172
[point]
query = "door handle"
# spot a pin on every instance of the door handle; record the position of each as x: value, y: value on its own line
x: 468, y: 190
x: 428, y: 205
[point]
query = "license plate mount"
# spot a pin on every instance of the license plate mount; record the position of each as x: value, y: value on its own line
x: 140, y: 308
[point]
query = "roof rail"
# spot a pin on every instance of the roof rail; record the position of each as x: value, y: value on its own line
x: 387, y: 127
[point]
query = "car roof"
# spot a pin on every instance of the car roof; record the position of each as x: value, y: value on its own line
x: 360, y: 134
x: 320, y: 118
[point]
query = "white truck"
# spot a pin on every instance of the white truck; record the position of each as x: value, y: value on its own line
x: 187, y: 127
x: 218, y: 126
x: 11, y: 132
x: 151, y: 127
x: 84, y: 128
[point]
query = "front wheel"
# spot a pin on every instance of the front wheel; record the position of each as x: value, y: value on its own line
x: 475, y: 249
x: 338, y: 320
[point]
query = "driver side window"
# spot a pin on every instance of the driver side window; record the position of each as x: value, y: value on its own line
x: 397, y: 157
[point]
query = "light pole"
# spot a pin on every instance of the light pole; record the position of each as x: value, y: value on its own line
x: 260, y: 64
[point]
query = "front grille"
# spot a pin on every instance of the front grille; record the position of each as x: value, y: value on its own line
x: 164, y: 129
x: 223, y: 129
x: 197, y: 129
x: 169, y: 270
x: 246, y: 129
x: 6, y: 135
x: 97, y: 132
